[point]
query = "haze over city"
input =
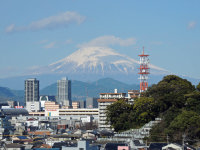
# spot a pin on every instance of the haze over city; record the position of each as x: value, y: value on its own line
x: 99, y: 75
x: 38, y: 33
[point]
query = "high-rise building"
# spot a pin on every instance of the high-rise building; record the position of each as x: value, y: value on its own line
x: 64, y: 92
x: 32, y: 94
x: 31, y: 90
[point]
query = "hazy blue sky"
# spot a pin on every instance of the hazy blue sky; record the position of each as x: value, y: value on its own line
x: 38, y: 32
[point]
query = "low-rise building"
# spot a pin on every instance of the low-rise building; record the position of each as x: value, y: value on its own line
x: 82, y: 145
x: 75, y: 105
x: 33, y: 106
x: 132, y: 94
x: 45, y: 98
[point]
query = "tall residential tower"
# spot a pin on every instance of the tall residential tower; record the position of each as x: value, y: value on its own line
x: 31, y: 92
x: 64, y: 92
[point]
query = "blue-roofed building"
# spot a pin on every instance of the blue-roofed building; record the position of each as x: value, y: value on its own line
x: 22, y: 137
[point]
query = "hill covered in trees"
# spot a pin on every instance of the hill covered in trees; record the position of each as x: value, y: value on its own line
x: 173, y: 99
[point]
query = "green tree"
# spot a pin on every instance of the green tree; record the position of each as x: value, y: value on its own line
x: 187, y: 122
x: 173, y: 99
x: 198, y: 87
x: 118, y: 115
x: 159, y: 132
x: 170, y: 92
x: 144, y: 109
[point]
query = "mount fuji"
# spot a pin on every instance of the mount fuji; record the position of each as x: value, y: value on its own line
x: 95, y: 61
x: 88, y: 64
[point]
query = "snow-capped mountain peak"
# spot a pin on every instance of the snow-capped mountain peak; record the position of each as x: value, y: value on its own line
x: 95, y: 60
x: 89, y: 54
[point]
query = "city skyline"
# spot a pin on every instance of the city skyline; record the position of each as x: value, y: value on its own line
x: 37, y: 33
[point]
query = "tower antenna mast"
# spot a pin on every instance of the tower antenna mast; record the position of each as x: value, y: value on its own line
x: 144, y: 71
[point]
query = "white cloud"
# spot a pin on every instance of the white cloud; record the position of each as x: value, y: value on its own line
x: 191, y: 24
x: 68, y: 42
x: 50, y: 45
x: 33, y: 67
x: 109, y: 40
x: 10, y: 28
x: 52, y: 22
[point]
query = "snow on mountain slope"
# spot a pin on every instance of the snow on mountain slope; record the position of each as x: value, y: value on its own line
x: 98, y: 60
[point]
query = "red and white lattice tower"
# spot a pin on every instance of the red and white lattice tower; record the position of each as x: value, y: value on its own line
x: 143, y: 71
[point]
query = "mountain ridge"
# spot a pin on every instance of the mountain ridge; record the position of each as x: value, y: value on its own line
x: 80, y: 90
x: 89, y: 64
x: 95, y: 60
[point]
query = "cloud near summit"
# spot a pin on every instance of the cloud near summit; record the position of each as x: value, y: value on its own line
x: 52, y: 22
x: 192, y: 24
x: 109, y: 40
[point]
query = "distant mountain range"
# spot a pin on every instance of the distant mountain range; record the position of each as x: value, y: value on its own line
x: 13, y: 95
x: 88, y: 65
x: 80, y: 90
x: 93, y: 63
x: 95, y: 60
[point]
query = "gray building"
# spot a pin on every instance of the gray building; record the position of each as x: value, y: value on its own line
x: 91, y: 102
x: 64, y: 92
x: 82, y: 103
x: 31, y: 92
x: 81, y: 145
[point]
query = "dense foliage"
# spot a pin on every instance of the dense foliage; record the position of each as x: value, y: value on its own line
x: 119, y: 115
x: 173, y: 99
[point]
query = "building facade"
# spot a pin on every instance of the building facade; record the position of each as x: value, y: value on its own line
x: 75, y: 105
x: 64, y: 92
x: 105, y: 100
x: 31, y: 92
x: 91, y: 102
x: 82, y: 103
x: 46, y: 98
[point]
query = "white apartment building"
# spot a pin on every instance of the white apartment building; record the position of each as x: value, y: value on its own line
x: 105, y: 100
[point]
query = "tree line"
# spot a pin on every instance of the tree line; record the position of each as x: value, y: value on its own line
x: 175, y: 100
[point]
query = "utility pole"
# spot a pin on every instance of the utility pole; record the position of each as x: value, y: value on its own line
x: 167, y: 139
x: 183, y: 141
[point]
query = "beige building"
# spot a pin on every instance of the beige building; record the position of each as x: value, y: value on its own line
x: 51, y: 108
x: 50, y: 105
x: 75, y: 105
x: 71, y: 112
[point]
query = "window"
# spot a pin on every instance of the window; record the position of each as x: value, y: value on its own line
x: 81, y: 148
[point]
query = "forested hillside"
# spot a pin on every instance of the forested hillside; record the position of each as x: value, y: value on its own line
x: 173, y: 99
